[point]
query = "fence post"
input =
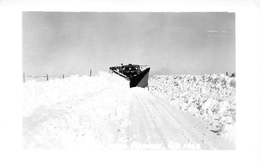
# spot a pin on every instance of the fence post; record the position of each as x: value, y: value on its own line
x: 226, y: 73
x: 90, y: 72
x: 24, y: 77
x: 47, y: 78
x: 63, y: 76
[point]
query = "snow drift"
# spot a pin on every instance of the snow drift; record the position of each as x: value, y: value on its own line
x: 211, y: 97
x: 38, y: 94
x: 74, y: 112
x: 94, y: 112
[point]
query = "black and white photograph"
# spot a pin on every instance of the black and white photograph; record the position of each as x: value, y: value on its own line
x: 130, y: 80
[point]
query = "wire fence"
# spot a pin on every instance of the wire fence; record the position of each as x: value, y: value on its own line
x: 46, y: 77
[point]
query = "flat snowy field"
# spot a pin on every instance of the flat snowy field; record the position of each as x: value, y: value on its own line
x: 102, y: 112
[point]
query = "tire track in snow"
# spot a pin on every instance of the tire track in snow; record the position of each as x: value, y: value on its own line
x: 169, y: 130
x: 137, y: 130
x: 164, y: 124
x: 197, y: 129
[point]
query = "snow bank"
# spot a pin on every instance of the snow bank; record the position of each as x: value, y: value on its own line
x: 211, y: 97
x: 38, y: 94
x: 94, y: 112
x: 76, y: 112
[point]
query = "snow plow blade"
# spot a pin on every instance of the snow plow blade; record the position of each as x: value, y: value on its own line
x: 140, y: 80
x: 133, y: 73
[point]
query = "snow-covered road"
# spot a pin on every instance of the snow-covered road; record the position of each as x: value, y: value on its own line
x: 104, y: 113
x: 155, y: 122
x: 142, y: 122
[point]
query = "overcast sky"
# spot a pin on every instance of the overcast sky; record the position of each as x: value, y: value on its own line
x: 69, y: 43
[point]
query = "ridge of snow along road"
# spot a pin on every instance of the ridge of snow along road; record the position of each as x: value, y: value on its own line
x: 211, y: 97
x: 74, y: 112
x: 97, y: 112
x: 58, y: 90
